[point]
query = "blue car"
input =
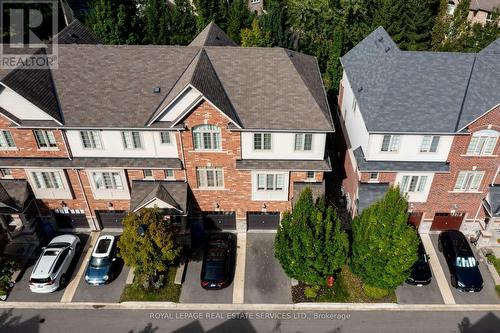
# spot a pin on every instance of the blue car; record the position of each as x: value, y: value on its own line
x: 101, y: 263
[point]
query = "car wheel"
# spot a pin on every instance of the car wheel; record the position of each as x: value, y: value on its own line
x: 440, y: 246
x: 62, y: 281
x: 453, y: 281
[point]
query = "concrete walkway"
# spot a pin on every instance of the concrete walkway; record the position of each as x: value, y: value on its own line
x: 239, y: 273
x: 70, y: 290
x: 437, y: 270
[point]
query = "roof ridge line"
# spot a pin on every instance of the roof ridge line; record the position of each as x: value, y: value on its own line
x: 465, y: 95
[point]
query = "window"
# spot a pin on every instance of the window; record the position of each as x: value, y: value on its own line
x: 132, y: 140
x: 45, y: 139
x: 262, y: 141
x: 270, y: 182
x: 60, y: 260
x: 169, y: 173
x: 373, y: 176
x: 483, y: 143
x: 148, y: 173
x: 107, y: 180
x: 5, y: 173
x: 206, y: 137
x: 311, y: 175
x: 210, y: 177
x: 390, y: 143
x: 303, y: 142
x: 91, y: 139
x: 468, y: 180
x: 165, y: 137
x: 429, y: 144
x: 6, y: 140
x: 413, y: 184
x: 47, y: 179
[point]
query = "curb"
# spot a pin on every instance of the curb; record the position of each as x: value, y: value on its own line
x: 254, y: 307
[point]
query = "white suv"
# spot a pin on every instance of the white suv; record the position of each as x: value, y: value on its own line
x: 50, y: 271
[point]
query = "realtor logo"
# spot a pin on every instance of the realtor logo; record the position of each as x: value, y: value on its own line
x: 27, y: 30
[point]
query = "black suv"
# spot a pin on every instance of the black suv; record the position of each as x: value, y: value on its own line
x: 217, y: 267
x: 420, y: 272
x: 464, y: 270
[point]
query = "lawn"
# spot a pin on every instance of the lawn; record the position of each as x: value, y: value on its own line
x: 170, y: 292
x: 348, y: 288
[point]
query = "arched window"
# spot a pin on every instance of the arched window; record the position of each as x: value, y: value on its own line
x: 483, y: 142
x: 206, y: 137
x: 451, y: 8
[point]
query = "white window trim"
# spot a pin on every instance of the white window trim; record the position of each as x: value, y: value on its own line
x: 169, y: 138
x: 466, y: 174
x: 274, y: 177
x: 427, y: 150
x: 373, y: 180
x: 123, y: 135
x: 212, y: 132
x: 262, y: 149
x: 303, y: 142
x: 46, y: 138
x: 148, y: 177
x: 6, y: 141
x: 109, y: 193
x: 167, y: 177
x: 50, y: 193
x: 311, y: 180
x: 418, y: 184
x: 488, y: 135
x: 199, y: 181
x: 391, y: 144
x: 97, y: 138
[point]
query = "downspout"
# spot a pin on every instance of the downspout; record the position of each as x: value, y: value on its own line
x: 85, y: 198
x: 182, y: 156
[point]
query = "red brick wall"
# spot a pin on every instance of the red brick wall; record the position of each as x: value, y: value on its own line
x: 26, y: 143
x: 383, y: 177
x: 236, y: 195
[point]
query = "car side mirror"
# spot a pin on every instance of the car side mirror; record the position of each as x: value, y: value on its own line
x: 43, y: 248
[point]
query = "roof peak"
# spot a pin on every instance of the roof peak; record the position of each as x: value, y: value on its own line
x: 212, y: 35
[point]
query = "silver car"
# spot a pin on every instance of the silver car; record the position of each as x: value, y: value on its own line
x: 50, y: 271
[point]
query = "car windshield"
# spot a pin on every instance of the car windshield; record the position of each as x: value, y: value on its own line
x: 466, y: 262
x: 99, y: 262
x: 40, y: 280
x: 51, y: 252
x: 59, y: 245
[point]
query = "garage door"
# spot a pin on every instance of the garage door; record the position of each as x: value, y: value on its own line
x: 263, y: 221
x: 447, y: 221
x: 71, y: 220
x: 219, y: 220
x: 111, y: 218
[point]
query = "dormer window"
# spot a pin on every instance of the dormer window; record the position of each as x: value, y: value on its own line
x: 206, y: 137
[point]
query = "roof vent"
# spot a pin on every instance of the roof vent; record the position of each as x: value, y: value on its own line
x: 360, y: 89
x: 381, y: 38
x: 156, y: 90
x: 74, y: 36
x: 217, y: 37
x: 387, y: 48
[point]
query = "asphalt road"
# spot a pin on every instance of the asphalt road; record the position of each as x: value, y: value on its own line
x: 149, y: 321
x: 486, y: 296
x: 265, y: 281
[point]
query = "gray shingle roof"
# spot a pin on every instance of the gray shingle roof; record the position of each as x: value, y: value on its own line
x: 495, y: 200
x: 172, y: 192
x: 258, y: 88
x: 212, y: 35
x: 370, y: 193
x: 77, y: 33
x: 410, y: 166
x: 92, y: 162
x: 14, y: 194
x: 407, y: 91
x: 317, y: 189
x: 492, y: 48
x: 290, y: 165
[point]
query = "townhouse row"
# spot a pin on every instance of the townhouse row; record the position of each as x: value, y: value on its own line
x: 196, y: 131
x: 428, y: 122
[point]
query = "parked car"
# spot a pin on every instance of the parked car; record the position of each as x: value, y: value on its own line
x: 421, y: 271
x: 218, y: 261
x: 464, y: 270
x: 101, y: 263
x: 51, y: 269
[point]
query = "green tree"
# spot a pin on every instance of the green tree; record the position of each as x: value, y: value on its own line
x: 156, y: 22
x: 384, y: 244
x: 239, y: 18
x: 275, y: 21
x: 149, y: 253
x: 114, y: 21
x: 255, y: 36
x: 183, y: 23
x: 211, y: 11
x: 310, y: 244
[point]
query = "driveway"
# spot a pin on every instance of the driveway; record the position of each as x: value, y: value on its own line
x: 192, y: 292
x: 21, y: 291
x: 429, y: 294
x: 110, y: 292
x: 265, y: 281
x: 486, y: 296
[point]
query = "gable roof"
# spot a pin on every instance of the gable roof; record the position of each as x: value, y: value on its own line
x: 212, y: 35
x: 112, y: 86
x: 410, y: 91
x: 14, y: 194
x: 37, y: 86
x: 77, y: 33
x: 173, y: 193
